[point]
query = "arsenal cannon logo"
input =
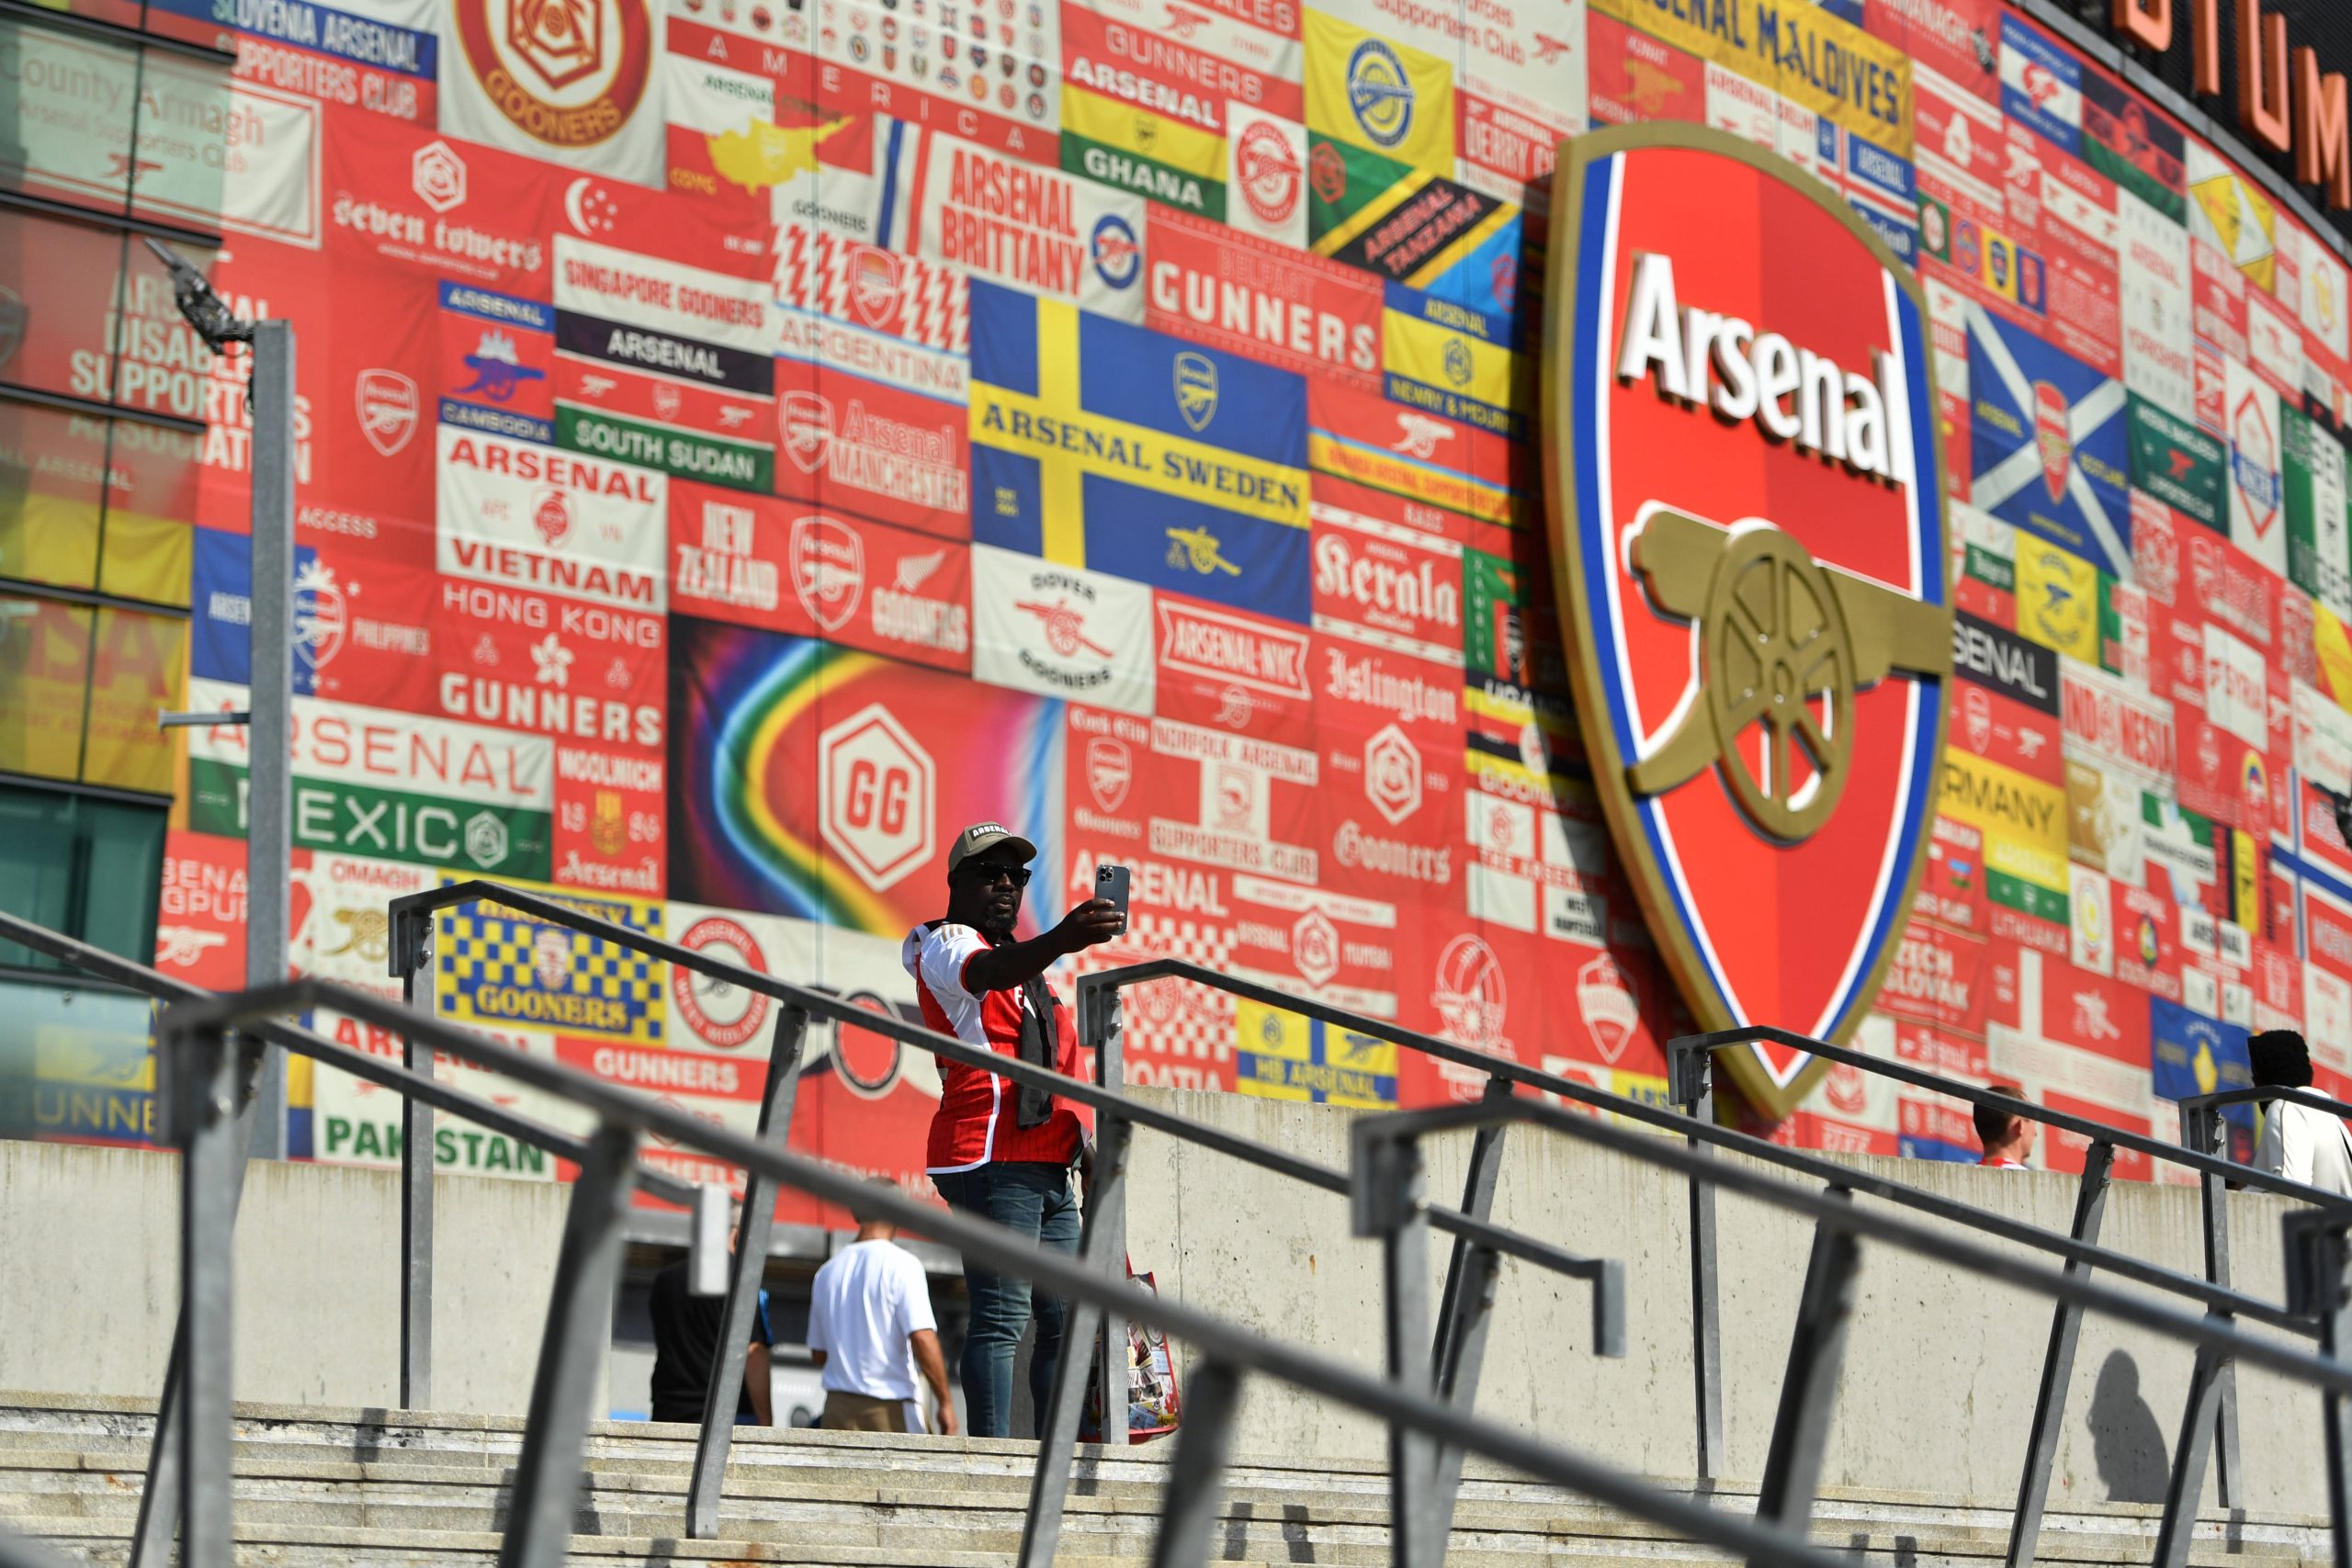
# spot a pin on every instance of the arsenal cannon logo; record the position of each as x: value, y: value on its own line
x: 1747, y: 530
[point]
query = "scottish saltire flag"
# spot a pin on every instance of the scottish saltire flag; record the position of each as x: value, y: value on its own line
x: 2050, y: 444
x: 1109, y: 447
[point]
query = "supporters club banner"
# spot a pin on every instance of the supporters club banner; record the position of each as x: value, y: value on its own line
x: 519, y: 515
x: 738, y: 446
x: 783, y: 567
x: 1049, y: 235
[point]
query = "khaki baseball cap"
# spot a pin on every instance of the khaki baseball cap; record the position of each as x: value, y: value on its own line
x: 982, y: 837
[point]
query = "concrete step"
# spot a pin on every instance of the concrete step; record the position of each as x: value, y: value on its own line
x: 324, y: 1547
x: 316, y: 1485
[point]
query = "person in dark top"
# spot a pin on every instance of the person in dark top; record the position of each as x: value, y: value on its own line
x: 685, y: 1347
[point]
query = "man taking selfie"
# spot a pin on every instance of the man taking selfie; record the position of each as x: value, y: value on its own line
x: 998, y: 1151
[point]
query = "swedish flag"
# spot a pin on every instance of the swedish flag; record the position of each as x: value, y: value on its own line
x: 1101, y: 445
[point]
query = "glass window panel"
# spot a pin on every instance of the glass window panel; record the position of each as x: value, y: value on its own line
x: 185, y: 134
x: 91, y: 869
x: 75, y: 1065
x: 147, y: 557
x: 59, y: 284
x: 52, y: 464
x: 44, y: 667
x: 113, y: 127
x: 152, y: 477
x: 138, y: 670
x: 123, y: 874
x: 65, y: 117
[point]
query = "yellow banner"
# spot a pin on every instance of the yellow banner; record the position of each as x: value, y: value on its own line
x: 1163, y: 139
x: 1076, y: 443
x: 501, y: 969
x: 1380, y: 470
x: 1806, y: 55
x: 2057, y: 599
x: 2245, y: 856
x: 1386, y: 97
x: 1286, y: 1056
x: 2023, y: 819
x: 1437, y: 356
x: 2334, y: 645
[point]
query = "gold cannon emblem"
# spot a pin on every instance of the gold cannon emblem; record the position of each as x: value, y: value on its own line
x: 1784, y: 642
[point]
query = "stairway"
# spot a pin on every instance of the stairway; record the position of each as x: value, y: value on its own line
x: 317, y: 1486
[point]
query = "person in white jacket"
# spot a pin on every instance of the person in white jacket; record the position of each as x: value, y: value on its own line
x: 2299, y: 1143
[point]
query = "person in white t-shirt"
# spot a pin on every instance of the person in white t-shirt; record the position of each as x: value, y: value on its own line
x: 871, y: 1329
x: 2300, y: 1143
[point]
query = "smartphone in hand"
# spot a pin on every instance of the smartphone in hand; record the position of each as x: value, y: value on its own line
x: 1111, y: 882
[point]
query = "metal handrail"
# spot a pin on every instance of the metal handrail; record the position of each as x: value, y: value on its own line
x: 150, y: 1535
x: 2200, y: 1150
x: 131, y: 977
x: 2264, y: 1093
x: 1387, y: 1168
x: 1102, y: 1242
x: 2216, y: 1298
x: 2079, y: 1126
x: 198, y: 1069
x: 1696, y: 1124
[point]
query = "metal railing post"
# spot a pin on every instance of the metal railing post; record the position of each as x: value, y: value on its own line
x: 749, y: 1266
x: 1465, y: 1310
x: 1074, y: 1377
x: 2333, y: 1274
x: 2186, y: 1480
x: 2200, y: 1128
x: 2319, y: 1281
x: 159, y: 1497
x: 1094, y: 1342
x: 1112, y: 1383
x: 1188, y: 1508
x: 1390, y: 1182
x: 269, y: 701
x: 546, y: 1474
x: 1692, y: 1068
x: 200, y: 1096
x: 412, y: 954
x: 1809, y: 1386
x: 1458, y: 1312
x: 2058, y: 1366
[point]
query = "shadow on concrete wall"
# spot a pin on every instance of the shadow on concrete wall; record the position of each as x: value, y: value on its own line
x: 2133, y: 1464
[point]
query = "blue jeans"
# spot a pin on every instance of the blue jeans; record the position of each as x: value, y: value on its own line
x: 1035, y: 1199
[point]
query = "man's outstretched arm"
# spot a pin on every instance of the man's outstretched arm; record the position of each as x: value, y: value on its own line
x: 1018, y: 963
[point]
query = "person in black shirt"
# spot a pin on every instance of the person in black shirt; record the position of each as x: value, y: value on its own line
x: 685, y: 1347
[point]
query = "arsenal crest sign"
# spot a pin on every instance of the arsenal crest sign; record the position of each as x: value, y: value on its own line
x: 1748, y: 532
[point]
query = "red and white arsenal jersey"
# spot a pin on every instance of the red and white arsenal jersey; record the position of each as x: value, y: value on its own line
x: 976, y: 1120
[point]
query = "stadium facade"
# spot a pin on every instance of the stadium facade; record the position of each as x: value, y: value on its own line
x: 741, y: 443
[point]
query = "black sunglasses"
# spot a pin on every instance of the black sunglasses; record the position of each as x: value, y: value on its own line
x: 985, y: 873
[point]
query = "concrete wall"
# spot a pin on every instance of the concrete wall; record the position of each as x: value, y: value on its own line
x: 1940, y: 1379
x: 91, y: 1241
x: 1941, y: 1368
